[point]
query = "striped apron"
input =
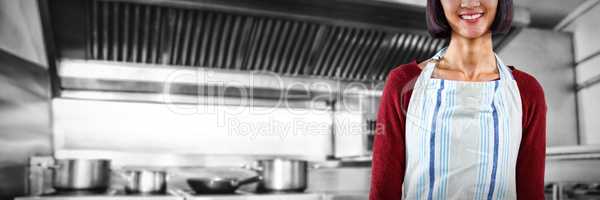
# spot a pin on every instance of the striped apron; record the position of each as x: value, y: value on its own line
x: 462, y: 138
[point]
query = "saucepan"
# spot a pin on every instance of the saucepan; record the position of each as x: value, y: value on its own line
x: 144, y: 181
x: 81, y: 174
x: 281, y: 175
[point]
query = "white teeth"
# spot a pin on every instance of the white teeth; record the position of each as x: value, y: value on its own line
x: 475, y: 16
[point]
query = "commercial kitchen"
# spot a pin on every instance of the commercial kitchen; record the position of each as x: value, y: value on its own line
x: 269, y: 99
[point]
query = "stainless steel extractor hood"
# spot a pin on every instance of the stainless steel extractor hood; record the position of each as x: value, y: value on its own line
x: 342, y: 40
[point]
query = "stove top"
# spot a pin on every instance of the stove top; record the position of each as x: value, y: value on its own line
x: 174, y: 195
x: 102, y: 197
x: 573, y: 190
x: 81, y: 193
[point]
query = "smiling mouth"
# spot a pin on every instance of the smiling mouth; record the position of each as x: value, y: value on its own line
x: 471, y: 16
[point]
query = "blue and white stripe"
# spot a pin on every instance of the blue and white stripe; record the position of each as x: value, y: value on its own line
x: 485, y: 120
x: 434, y: 123
x: 496, y: 143
x: 445, y: 140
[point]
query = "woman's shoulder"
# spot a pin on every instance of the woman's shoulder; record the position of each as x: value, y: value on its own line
x: 529, y: 87
x: 404, y: 72
x: 527, y: 82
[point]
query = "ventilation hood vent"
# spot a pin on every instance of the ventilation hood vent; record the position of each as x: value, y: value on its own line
x: 255, y: 37
x: 153, y: 34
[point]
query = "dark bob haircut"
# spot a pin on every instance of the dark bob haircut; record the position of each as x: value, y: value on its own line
x: 438, y: 26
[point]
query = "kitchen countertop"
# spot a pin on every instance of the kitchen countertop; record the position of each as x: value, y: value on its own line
x: 299, y: 196
x: 346, y: 196
x: 302, y: 196
x: 102, y: 197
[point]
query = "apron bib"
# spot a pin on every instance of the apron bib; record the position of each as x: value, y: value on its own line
x: 462, y: 138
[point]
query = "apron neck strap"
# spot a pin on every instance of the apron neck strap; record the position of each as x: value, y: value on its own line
x: 503, y: 70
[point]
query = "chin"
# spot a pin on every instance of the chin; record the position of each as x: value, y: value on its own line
x: 472, y: 34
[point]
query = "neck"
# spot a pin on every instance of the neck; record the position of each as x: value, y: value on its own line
x: 471, y: 56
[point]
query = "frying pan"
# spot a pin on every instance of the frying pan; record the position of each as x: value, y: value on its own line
x: 219, y: 185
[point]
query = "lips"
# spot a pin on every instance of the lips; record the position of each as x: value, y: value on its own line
x: 468, y: 17
x: 471, y: 17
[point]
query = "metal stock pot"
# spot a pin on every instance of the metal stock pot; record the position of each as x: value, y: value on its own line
x: 81, y: 174
x: 145, y: 181
x: 282, y: 175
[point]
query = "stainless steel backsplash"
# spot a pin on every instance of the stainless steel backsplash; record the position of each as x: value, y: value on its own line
x: 24, y: 120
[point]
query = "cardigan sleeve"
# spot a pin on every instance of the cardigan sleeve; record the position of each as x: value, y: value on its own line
x: 532, y: 150
x: 388, y: 166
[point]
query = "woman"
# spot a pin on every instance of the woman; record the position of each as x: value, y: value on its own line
x: 461, y: 125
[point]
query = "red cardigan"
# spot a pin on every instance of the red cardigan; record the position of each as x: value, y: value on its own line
x: 389, y: 154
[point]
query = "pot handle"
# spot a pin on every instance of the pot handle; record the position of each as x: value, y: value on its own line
x: 121, y: 174
x: 237, y: 183
x: 48, y: 166
x: 253, y: 167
